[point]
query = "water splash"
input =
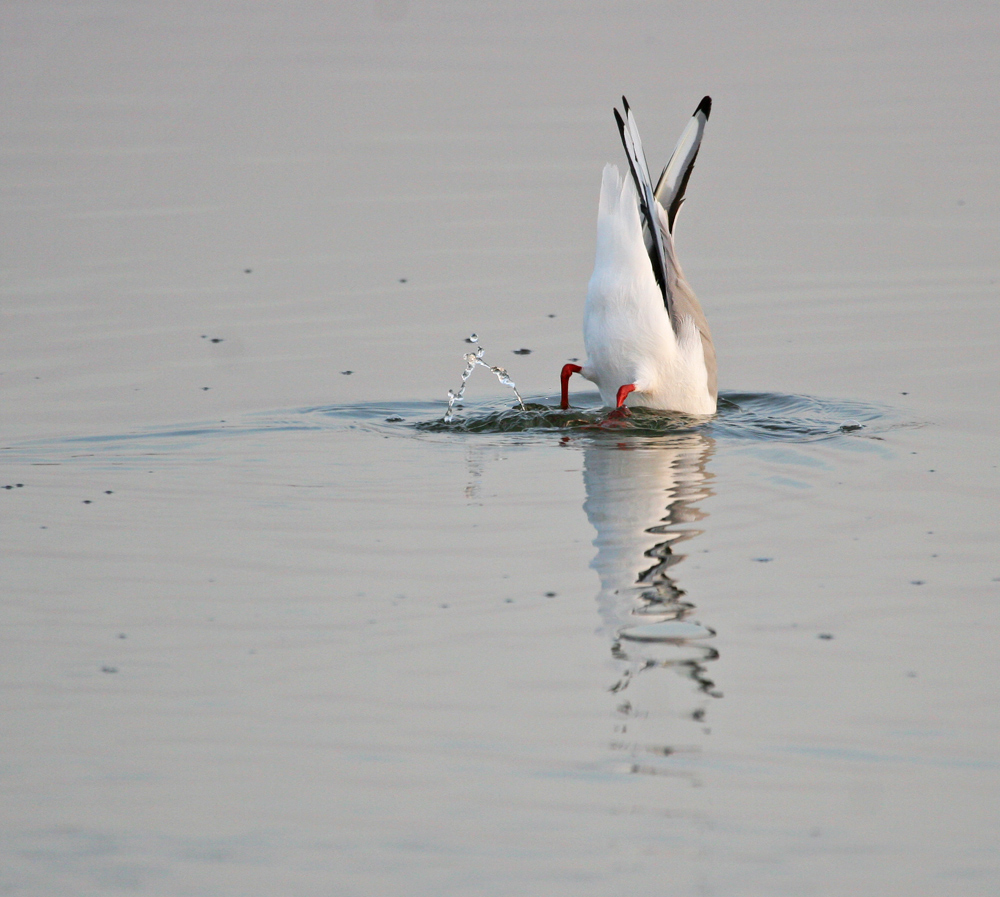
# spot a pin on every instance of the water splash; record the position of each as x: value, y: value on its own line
x: 473, y: 360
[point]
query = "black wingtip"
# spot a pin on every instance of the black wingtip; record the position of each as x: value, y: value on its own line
x: 705, y: 106
x: 621, y: 122
x: 625, y: 104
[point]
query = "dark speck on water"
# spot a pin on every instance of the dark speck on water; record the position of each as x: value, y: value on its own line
x: 763, y: 560
x: 109, y: 669
x: 826, y: 636
x: 346, y: 373
x: 216, y: 339
x: 522, y: 351
x: 393, y: 420
x: 402, y: 280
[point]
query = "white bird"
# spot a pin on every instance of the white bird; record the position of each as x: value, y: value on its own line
x: 646, y: 337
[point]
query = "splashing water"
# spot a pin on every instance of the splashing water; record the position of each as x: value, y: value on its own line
x: 472, y: 360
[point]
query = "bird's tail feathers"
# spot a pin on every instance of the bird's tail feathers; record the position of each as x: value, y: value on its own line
x: 619, y: 228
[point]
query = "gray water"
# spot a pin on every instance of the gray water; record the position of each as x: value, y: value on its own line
x: 271, y: 627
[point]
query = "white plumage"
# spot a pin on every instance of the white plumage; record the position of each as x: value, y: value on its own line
x: 647, y: 339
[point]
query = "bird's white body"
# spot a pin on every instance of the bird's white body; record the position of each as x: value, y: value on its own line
x: 626, y: 327
x: 647, y: 340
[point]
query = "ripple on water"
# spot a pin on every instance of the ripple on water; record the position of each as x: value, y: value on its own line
x: 667, y: 631
x: 741, y: 415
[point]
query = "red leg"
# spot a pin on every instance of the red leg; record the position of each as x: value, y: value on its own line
x: 620, y: 409
x: 623, y: 394
x: 568, y: 371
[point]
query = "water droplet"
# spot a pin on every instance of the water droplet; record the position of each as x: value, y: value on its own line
x: 472, y: 338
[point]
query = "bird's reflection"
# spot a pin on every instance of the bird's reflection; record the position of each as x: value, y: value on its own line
x: 643, y: 499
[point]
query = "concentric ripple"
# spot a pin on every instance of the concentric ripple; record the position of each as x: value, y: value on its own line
x: 770, y: 416
x: 741, y: 416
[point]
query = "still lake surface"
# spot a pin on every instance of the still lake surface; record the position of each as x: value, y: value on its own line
x: 270, y: 627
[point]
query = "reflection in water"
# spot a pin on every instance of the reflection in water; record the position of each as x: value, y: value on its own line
x: 643, y: 501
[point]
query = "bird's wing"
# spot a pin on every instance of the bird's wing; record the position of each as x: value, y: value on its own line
x: 647, y: 204
x: 673, y: 181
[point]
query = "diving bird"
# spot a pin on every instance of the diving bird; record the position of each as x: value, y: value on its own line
x: 646, y: 337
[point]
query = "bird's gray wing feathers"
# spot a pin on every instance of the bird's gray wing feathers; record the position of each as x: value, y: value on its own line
x: 647, y: 204
x: 673, y: 181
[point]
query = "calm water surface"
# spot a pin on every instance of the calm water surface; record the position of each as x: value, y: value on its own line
x: 269, y: 626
